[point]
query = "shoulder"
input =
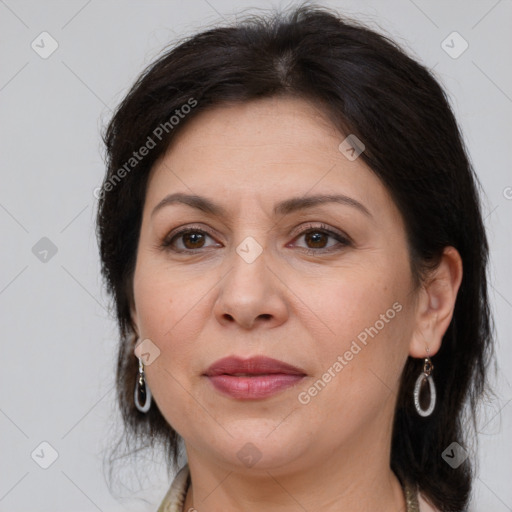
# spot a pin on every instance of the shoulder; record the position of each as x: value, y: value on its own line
x: 175, y: 497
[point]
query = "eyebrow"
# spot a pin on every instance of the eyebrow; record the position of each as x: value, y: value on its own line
x: 283, y: 208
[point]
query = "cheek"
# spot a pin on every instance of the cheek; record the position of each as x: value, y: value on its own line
x: 163, y: 297
x: 362, y: 355
x: 359, y: 304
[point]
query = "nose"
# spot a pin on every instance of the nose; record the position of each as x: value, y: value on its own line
x: 251, y: 293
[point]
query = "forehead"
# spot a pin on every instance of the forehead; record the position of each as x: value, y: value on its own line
x: 266, y: 128
x: 273, y: 148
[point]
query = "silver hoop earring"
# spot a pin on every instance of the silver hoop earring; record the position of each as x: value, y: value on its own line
x: 142, y: 389
x: 425, y: 374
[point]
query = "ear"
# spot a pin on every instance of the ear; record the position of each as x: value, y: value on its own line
x: 435, y: 305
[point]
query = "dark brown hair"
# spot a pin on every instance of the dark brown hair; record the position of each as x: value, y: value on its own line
x: 370, y: 87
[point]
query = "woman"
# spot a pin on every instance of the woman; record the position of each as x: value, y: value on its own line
x: 291, y: 231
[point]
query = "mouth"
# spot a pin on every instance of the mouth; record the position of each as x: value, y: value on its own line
x: 254, y: 378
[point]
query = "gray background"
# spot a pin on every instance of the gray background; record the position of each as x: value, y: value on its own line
x: 58, y: 340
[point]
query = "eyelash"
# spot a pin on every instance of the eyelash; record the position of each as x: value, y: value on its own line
x: 343, y: 241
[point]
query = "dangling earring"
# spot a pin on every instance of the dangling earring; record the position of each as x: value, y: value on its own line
x: 425, y: 374
x: 141, y: 388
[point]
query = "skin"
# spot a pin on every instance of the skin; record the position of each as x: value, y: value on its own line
x: 305, y: 309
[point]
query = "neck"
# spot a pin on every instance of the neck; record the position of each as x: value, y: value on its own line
x: 353, y: 480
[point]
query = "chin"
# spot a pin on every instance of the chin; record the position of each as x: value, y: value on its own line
x: 257, y: 445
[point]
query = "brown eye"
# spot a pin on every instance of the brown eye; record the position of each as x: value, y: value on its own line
x: 193, y: 240
x: 186, y: 240
x: 316, y: 239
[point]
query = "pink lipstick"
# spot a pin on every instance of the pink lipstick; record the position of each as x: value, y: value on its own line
x: 254, y: 378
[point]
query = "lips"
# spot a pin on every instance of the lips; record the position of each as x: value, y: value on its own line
x: 255, y: 378
x: 257, y: 365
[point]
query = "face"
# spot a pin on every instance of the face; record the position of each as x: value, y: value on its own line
x: 326, y: 287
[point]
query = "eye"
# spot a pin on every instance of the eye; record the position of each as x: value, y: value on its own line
x: 190, y: 238
x: 317, y: 239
